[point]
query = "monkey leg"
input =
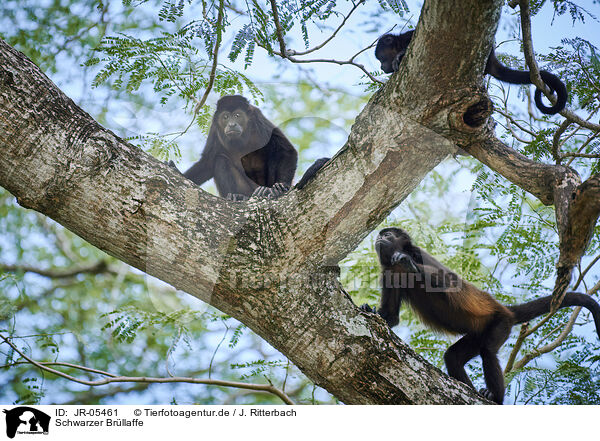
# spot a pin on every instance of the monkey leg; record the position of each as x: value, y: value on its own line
x: 459, y: 354
x: 230, y: 178
x: 492, y: 372
x: 494, y: 379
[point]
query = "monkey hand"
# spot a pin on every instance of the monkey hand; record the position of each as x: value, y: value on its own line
x: 397, y: 61
x: 171, y: 164
x: 403, y: 261
x: 277, y: 190
x: 236, y: 197
x: 366, y: 308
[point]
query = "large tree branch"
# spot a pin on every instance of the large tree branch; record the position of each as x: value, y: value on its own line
x: 537, y: 178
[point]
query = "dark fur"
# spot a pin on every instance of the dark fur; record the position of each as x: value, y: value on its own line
x: 445, y: 302
x: 311, y: 172
x: 259, y: 161
x: 391, y: 49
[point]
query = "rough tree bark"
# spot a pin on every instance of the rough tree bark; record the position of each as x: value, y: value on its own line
x: 272, y: 265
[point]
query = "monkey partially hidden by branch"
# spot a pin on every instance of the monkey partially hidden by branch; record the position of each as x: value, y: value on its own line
x: 447, y: 303
x: 391, y: 48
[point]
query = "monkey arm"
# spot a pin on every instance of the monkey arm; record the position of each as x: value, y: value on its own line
x: 231, y: 180
x: 389, y: 307
x: 282, y: 161
x: 391, y: 298
x: 311, y: 172
x: 201, y: 171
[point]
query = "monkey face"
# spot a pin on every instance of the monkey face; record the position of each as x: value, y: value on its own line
x: 391, y: 49
x: 389, y: 243
x: 232, y: 124
x: 386, y: 52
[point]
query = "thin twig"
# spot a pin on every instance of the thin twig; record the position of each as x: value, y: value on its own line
x: 216, y: 350
x: 556, y: 140
x: 581, y: 155
x: 120, y: 379
x: 584, y: 145
x: 332, y: 36
x: 213, y: 71
x: 278, y: 30
x: 512, y: 120
x: 215, y: 54
x: 289, y: 54
x: 63, y: 364
x: 585, y: 271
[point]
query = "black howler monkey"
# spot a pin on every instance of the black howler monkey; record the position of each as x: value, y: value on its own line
x: 245, y: 153
x: 447, y: 303
x: 391, y: 48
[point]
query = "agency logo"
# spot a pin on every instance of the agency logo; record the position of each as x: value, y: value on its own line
x: 27, y: 421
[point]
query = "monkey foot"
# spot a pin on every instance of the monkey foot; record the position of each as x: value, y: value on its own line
x: 487, y: 394
x: 367, y: 308
x: 236, y: 197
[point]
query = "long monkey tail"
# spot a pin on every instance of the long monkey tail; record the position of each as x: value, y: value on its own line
x: 530, y: 310
x: 557, y: 87
x: 504, y: 73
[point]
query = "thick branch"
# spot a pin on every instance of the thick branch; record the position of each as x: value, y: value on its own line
x: 582, y: 217
x: 537, y: 178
